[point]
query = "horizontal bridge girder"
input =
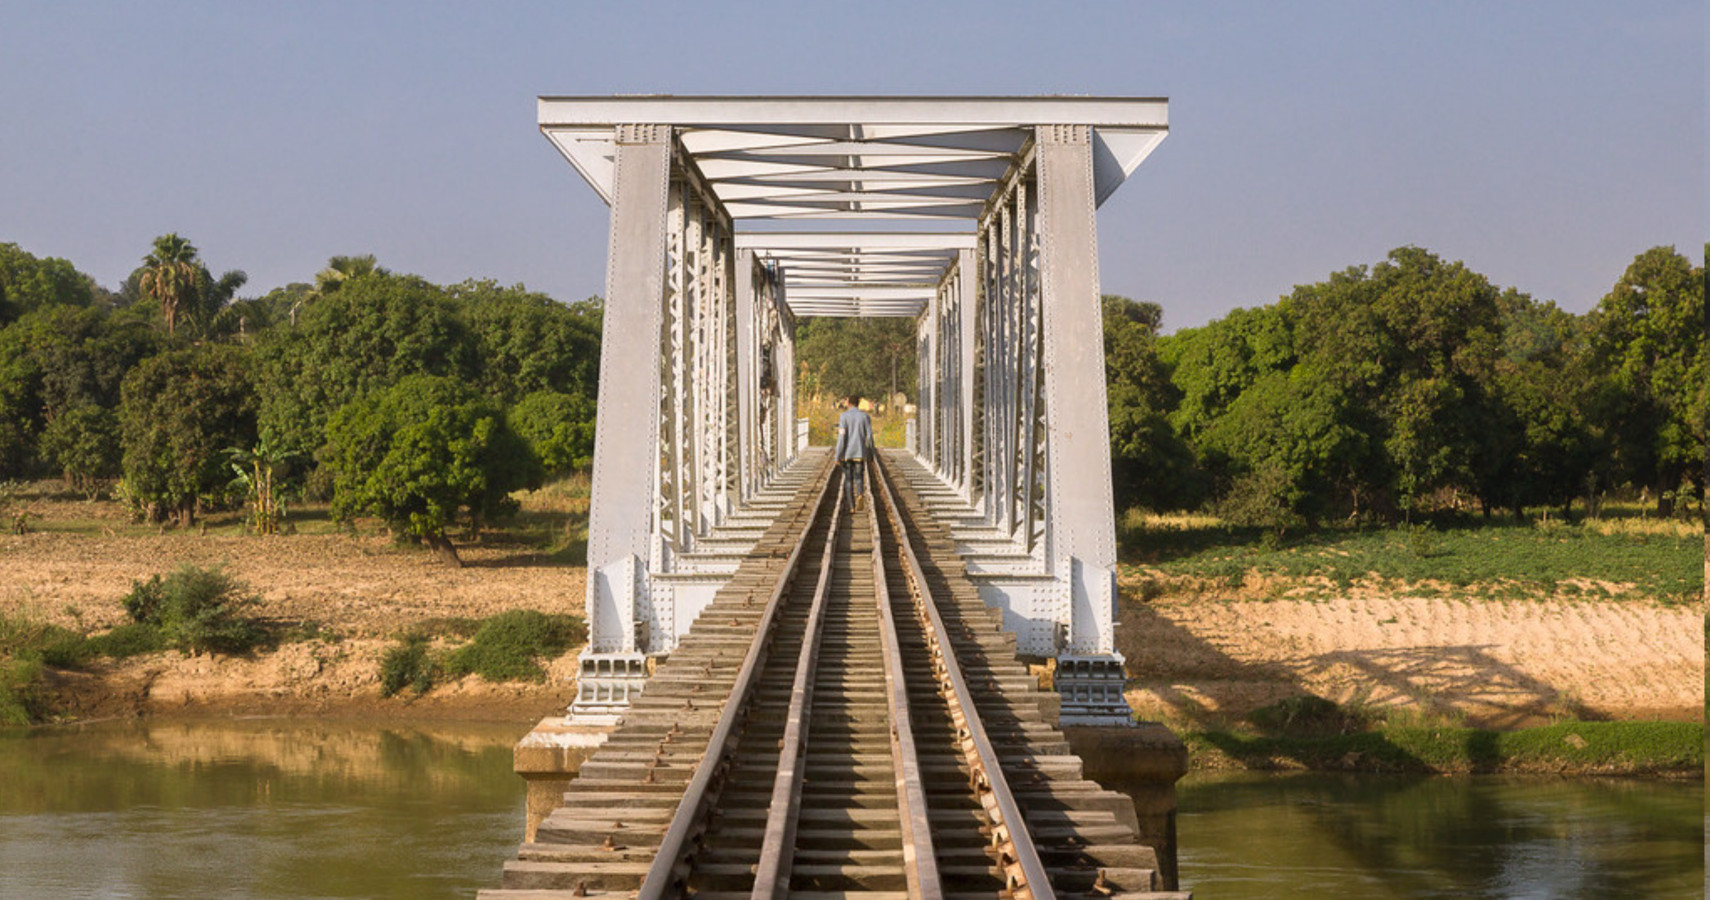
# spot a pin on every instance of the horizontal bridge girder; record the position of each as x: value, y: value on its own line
x: 937, y: 111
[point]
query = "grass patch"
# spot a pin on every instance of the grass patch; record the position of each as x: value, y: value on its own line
x: 1497, y: 558
x: 1624, y: 748
x: 1309, y: 732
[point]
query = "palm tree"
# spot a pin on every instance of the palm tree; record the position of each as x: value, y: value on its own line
x: 170, y: 275
x: 339, y: 270
x: 211, y: 312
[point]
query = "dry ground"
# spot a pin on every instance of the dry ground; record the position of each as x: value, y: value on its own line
x: 1494, y: 663
x: 358, y: 591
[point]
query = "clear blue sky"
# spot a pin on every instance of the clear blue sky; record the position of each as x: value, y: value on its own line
x: 1545, y: 144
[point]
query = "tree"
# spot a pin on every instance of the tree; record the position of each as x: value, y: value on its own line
x: 171, y: 276
x: 1150, y: 465
x: 423, y: 452
x: 58, y: 357
x: 528, y: 342
x: 210, y: 313
x: 84, y: 442
x: 28, y: 284
x: 1411, y: 346
x: 1648, y: 337
x: 1547, y: 447
x: 375, y: 330
x: 178, y: 414
x: 339, y: 270
x: 1210, y: 366
x: 873, y: 357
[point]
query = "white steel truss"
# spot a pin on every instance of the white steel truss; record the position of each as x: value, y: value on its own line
x: 731, y: 216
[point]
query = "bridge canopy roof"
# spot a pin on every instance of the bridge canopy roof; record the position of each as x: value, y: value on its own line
x: 863, y: 202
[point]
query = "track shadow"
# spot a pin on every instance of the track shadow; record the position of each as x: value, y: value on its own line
x: 1451, y: 680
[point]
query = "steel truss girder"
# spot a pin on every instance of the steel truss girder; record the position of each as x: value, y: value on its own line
x: 697, y: 369
x: 695, y: 366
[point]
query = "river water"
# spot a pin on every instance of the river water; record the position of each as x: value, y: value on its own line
x: 293, y: 809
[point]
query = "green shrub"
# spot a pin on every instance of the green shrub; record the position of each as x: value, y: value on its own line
x: 507, y: 646
x: 196, y: 611
x: 407, y: 665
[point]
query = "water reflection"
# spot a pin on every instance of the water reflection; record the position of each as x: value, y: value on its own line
x: 264, y: 809
x: 295, y: 809
x: 1254, y: 836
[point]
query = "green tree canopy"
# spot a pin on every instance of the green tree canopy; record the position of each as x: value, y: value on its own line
x: 375, y: 330
x: 84, y: 442
x: 1648, y: 334
x: 422, y: 453
x: 528, y: 342
x: 1412, y: 346
x: 179, y: 412
x: 1150, y: 465
x: 28, y: 283
x: 559, y: 427
x: 57, y: 357
x: 873, y: 357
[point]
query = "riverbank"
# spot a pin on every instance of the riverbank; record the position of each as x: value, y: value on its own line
x: 1204, y: 654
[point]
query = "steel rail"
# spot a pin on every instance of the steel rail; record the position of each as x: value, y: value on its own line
x: 920, y: 857
x: 772, y: 874
x: 691, y: 810
x: 1018, y: 857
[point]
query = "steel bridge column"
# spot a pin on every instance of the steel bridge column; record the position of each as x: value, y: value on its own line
x: 1082, y: 538
x: 748, y: 326
x: 626, y: 438
x: 967, y: 288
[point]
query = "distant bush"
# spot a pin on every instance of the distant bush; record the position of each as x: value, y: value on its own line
x: 507, y: 646
x: 195, y: 610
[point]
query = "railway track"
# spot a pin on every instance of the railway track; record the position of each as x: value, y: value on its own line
x: 846, y: 718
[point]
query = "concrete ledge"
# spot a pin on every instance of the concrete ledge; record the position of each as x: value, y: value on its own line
x: 548, y: 758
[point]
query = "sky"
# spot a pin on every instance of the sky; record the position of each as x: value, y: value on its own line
x: 1543, y: 144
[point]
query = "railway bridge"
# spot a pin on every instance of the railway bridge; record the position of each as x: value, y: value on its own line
x: 800, y: 698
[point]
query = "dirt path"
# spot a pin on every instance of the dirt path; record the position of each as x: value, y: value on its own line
x: 1499, y: 664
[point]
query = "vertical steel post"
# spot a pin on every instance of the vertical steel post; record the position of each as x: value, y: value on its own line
x: 1081, y: 541
x: 619, y: 529
x: 968, y: 285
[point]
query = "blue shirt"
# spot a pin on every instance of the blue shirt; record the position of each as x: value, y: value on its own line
x: 854, y: 434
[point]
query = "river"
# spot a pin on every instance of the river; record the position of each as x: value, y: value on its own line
x: 273, y: 809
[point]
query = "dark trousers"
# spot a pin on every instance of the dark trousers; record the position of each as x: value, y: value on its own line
x: 854, y: 471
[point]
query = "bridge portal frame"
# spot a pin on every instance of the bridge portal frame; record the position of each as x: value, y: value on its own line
x: 707, y: 269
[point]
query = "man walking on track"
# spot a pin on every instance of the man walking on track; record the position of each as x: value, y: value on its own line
x: 854, y: 439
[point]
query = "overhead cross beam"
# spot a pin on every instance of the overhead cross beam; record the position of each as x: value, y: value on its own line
x: 788, y: 166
